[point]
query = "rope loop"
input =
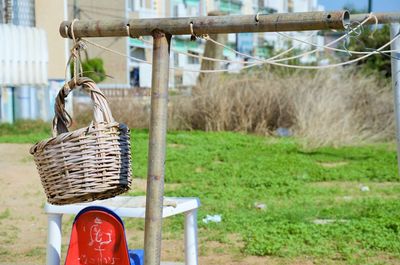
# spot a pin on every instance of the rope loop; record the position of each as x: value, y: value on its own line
x: 257, y: 18
x: 75, y: 53
x: 371, y: 15
x: 193, y: 36
x: 205, y: 37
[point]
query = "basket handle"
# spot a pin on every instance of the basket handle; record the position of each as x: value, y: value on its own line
x: 101, y: 110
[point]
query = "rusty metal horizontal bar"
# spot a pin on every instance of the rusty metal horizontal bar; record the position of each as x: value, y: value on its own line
x: 383, y: 18
x: 208, y: 25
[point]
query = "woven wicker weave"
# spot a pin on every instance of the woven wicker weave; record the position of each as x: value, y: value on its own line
x: 87, y: 164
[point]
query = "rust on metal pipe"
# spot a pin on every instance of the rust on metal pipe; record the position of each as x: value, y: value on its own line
x: 383, y: 18
x: 157, y: 147
x: 209, y: 25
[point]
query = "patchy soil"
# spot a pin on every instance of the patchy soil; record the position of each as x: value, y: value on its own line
x: 23, y: 223
x: 332, y: 164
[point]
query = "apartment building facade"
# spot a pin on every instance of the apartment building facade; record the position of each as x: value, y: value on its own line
x: 122, y: 72
x: 256, y: 44
x: 278, y: 42
x: 32, y: 58
x: 128, y: 73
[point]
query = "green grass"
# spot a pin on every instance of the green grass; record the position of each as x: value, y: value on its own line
x: 5, y: 214
x: 24, y: 131
x: 230, y: 172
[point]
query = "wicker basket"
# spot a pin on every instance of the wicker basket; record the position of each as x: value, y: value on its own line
x: 87, y: 164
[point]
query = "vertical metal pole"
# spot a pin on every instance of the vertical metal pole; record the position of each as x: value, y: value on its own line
x: 369, y: 6
x: 191, y: 237
x: 53, y: 239
x: 157, y: 144
x: 394, y: 31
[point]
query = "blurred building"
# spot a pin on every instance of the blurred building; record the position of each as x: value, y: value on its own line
x: 32, y: 58
x: 267, y: 40
x: 256, y: 44
x: 126, y: 73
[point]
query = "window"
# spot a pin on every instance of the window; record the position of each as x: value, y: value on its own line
x: 131, y: 5
x: 24, y: 13
x: 193, y: 11
x: 176, y: 59
x: 193, y: 60
x: 175, y: 11
x: 135, y: 5
x: 138, y: 53
x: 290, y: 6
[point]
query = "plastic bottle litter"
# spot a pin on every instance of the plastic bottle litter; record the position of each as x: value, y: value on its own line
x: 283, y: 132
x: 212, y: 218
x: 364, y: 188
x: 260, y: 206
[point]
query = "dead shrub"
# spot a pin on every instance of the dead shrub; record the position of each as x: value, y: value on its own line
x: 225, y: 103
x: 338, y: 107
x: 341, y: 108
x: 132, y: 111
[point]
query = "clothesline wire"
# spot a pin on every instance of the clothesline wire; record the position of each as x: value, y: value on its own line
x: 259, y: 63
x: 197, y: 56
x: 220, y: 60
x: 330, y: 43
x: 272, y: 60
x: 275, y: 62
x: 327, y: 47
x: 333, y: 65
x: 208, y: 38
x: 350, y: 31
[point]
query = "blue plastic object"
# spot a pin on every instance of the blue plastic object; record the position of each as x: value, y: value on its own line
x: 136, y: 256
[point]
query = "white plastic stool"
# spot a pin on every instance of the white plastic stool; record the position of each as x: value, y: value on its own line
x: 125, y: 206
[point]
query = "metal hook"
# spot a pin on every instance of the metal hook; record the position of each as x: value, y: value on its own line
x: 257, y: 18
x: 193, y: 36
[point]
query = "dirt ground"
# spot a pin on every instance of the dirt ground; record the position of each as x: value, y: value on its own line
x: 23, y: 223
x: 23, y: 233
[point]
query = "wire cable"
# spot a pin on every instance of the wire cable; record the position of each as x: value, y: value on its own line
x: 327, y: 47
x: 254, y: 64
x: 271, y: 61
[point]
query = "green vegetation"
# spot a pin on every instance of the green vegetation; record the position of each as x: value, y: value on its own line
x: 371, y: 40
x: 24, y: 131
x: 314, y: 205
x: 92, y: 68
x: 5, y: 214
x: 36, y: 252
x: 230, y: 172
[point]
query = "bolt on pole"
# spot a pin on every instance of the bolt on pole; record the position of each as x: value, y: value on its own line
x: 394, y: 31
x: 157, y: 147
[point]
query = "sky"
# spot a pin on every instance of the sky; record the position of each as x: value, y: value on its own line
x: 377, y: 5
